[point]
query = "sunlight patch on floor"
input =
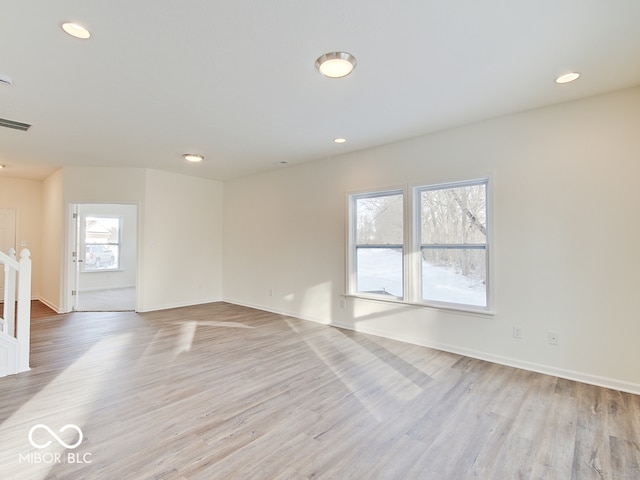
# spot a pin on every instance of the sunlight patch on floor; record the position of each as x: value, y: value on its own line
x: 398, y: 388
x: 80, y: 385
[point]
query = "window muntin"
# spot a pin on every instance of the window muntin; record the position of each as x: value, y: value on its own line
x: 378, y: 247
x: 454, y: 243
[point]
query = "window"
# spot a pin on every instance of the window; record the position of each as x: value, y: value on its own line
x: 378, y: 243
x: 439, y: 258
x: 453, y: 243
x: 102, y: 243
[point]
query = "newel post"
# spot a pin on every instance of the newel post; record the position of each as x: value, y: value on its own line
x: 23, y: 334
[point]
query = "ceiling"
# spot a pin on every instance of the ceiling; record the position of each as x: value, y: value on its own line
x: 235, y: 80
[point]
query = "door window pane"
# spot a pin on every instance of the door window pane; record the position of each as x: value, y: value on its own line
x: 102, y: 243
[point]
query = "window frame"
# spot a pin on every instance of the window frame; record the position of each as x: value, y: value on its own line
x: 352, y: 244
x: 418, y: 245
x: 412, y: 248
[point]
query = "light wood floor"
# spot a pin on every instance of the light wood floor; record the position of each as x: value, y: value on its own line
x: 227, y: 392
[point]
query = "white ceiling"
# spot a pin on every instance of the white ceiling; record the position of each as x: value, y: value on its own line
x: 236, y: 81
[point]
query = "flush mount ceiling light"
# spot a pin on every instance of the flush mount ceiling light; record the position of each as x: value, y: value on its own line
x: 75, y: 30
x: 336, y: 64
x: 339, y: 140
x: 193, y: 157
x: 567, y: 77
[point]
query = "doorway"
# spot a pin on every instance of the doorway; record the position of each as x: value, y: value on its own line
x: 105, y: 257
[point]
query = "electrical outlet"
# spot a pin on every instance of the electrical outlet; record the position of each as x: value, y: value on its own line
x: 554, y: 338
x: 517, y: 331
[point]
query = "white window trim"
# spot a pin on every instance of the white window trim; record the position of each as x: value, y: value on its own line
x: 412, y: 270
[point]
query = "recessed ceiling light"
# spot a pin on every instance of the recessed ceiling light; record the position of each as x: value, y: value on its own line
x: 2, y: 166
x: 76, y: 30
x: 567, y: 77
x: 339, y: 140
x: 193, y: 157
x: 336, y: 64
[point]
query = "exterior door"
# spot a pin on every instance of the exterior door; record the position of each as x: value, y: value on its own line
x: 7, y: 237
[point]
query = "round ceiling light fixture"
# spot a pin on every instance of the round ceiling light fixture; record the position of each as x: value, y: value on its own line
x: 75, y: 30
x: 336, y: 64
x: 193, y: 157
x: 567, y: 77
x: 339, y: 140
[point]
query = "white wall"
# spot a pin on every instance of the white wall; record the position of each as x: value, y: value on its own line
x: 25, y: 196
x: 566, y: 233
x: 179, y: 229
x: 52, y: 240
x: 96, y: 185
x: 182, y: 247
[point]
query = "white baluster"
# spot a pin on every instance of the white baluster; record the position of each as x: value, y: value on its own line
x: 24, y: 310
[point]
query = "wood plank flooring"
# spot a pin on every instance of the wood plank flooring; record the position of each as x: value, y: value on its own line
x: 221, y: 391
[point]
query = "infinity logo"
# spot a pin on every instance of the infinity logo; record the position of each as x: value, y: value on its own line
x: 58, y: 439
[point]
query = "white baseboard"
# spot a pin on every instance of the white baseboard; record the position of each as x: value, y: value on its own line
x: 167, y: 306
x: 98, y: 289
x: 49, y: 304
x: 582, y: 377
x: 514, y: 362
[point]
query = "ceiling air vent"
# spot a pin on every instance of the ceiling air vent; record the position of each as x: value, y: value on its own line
x: 13, y: 124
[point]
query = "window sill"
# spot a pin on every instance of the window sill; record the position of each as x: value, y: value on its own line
x: 441, y: 307
x: 103, y: 270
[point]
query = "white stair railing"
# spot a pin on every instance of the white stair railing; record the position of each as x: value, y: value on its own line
x: 16, y: 330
